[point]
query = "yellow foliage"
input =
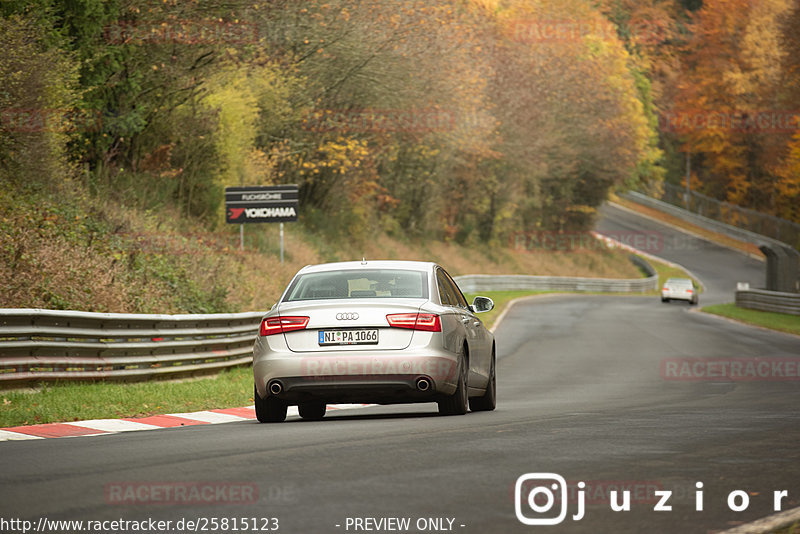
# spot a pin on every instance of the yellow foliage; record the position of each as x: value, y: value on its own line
x: 232, y: 96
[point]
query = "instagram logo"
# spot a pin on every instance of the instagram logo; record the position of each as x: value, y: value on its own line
x: 541, y: 498
x: 538, y: 493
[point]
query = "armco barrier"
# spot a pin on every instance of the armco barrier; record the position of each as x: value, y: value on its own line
x: 782, y: 230
x: 474, y: 283
x: 704, y: 222
x: 783, y: 261
x: 38, y: 345
x: 772, y: 301
x: 69, y: 345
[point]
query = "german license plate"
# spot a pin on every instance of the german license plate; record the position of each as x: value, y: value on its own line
x: 349, y: 337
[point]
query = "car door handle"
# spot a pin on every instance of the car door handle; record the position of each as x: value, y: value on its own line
x: 476, y: 323
x: 465, y: 320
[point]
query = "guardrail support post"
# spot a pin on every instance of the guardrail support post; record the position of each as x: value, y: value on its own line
x: 782, y: 268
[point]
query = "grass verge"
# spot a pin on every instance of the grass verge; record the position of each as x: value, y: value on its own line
x: 775, y: 321
x: 791, y: 529
x: 69, y: 401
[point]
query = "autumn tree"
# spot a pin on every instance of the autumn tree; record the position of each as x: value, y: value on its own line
x: 731, y: 107
x: 787, y: 167
x: 38, y: 102
x: 572, y: 122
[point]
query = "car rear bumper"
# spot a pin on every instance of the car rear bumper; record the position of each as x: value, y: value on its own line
x: 347, y: 376
x: 355, y: 389
x: 677, y: 295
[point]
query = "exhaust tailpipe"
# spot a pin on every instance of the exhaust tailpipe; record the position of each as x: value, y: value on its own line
x: 275, y: 387
x: 423, y: 384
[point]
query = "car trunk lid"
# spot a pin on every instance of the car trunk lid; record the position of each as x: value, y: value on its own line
x: 349, y: 325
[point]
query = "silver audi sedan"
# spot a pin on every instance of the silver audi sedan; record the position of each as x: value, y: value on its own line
x: 385, y: 332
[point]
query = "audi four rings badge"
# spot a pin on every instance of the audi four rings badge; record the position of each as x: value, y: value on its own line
x: 346, y: 316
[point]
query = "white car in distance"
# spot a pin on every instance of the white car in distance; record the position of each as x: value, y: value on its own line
x: 679, y: 289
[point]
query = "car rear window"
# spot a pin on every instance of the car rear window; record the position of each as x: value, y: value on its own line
x: 674, y: 282
x: 358, y: 284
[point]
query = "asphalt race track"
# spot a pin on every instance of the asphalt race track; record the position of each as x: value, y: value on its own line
x: 582, y: 393
x: 718, y: 267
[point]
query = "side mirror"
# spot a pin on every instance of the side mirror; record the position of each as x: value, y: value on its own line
x: 482, y: 304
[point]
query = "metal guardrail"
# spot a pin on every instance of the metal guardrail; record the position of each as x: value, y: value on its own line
x: 69, y: 345
x: 699, y: 220
x: 484, y: 282
x: 772, y: 301
x: 47, y: 345
x: 783, y: 261
x: 760, y: 223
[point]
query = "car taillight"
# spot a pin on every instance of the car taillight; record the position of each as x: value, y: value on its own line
x: 429, y: 322
x: 688, y: 290
x: 279, y: 325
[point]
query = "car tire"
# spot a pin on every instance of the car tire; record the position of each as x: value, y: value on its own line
x: 313, y: 411
x: 269, y: 410
x: 457, y: 403
x: 488, y: 401
x: 664, y: 300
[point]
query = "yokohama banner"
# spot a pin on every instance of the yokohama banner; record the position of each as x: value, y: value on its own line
x: 261, y: 204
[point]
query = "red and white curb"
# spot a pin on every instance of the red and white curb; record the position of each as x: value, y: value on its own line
x: 99, y: 427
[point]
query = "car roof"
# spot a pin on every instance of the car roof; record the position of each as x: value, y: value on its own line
x: 425, y: 266
x: 680, y: 280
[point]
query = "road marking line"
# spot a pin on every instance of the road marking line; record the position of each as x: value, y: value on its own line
x: 515, y: 301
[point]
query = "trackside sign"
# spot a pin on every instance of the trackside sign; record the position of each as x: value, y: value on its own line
x: 261, y: 204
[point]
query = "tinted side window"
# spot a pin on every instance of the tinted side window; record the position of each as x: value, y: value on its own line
x: 445, y: 292
x: 459, y: 297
